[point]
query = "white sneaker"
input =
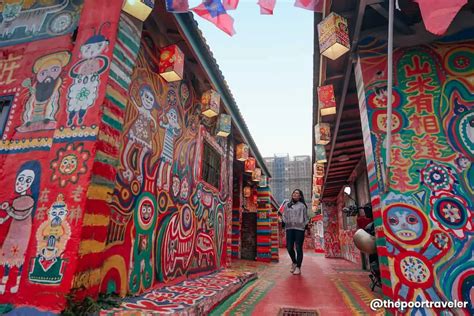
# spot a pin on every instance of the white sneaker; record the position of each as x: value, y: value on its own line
x: 297, y: 271
x: 293, y: 267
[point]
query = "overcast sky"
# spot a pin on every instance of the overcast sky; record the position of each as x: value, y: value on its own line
x: 268, y: 67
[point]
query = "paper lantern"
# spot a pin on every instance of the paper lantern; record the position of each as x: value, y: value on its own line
x: 320, y: 154
x: 317, y: 181
x: 171, y: 66
x: 211, y: 103
x: 319, y: 170
x: 263, y: 182
x: 223, y: 125
x: 249, y: 165
x: 322, y: 133
x: 140, y: 9
x: 333, y: 36
x: 326, y: 100
x: 257, y: 175
x: 247, y: 191
x: 242, y: 152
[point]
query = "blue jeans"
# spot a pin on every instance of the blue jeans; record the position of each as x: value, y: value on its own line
x: 294, y: 236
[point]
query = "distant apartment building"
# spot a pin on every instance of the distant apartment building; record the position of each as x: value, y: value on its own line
x: 289, y: 174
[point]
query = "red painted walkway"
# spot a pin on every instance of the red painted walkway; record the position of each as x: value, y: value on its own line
x: 329, y: 286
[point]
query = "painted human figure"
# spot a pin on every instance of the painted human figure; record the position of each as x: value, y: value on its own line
x: 172, y: 130
x: 43, y: 103
x: 145, y: 215
x: 86, y: 75
x: 21, y: 210
x: 52, y: 236
x: 141, y: 132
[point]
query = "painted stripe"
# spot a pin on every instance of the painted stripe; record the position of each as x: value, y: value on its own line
x: 95, y: 220
x: 99, y: 192
x: 116, y: 97
x: 87, y: 279
x: 90, y: 246
x: 112, y: 121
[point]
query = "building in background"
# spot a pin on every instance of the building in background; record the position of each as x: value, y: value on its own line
x: 289, y: 174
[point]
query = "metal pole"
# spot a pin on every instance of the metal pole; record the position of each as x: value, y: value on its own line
x: 389, y: 93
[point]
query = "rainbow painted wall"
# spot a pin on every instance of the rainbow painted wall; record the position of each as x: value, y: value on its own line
x: 424, y: 219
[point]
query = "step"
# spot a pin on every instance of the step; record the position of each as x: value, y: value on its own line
x: 191, y: 297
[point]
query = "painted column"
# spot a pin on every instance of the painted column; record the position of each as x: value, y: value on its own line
x: 424, y: 218
x: 263, y: 224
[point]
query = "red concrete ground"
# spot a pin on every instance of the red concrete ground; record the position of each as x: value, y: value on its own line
x: 330, y: 286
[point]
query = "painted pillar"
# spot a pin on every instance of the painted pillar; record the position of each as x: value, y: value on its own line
x: 424, y: 218
x: 264, y: 230
x: 332, y: 245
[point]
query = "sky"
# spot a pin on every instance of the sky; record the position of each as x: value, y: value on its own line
x: 268, y: 66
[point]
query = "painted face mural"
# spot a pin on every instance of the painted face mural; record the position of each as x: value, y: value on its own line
x: 21, y: 210
x: 70, y: 163
x: 43, y: 103
x: 405, y: 223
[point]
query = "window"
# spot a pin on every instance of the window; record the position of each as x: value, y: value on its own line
x: 5, y: 105
x: 211, y: 169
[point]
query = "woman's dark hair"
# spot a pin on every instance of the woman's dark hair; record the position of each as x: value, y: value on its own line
x: 291, y: 203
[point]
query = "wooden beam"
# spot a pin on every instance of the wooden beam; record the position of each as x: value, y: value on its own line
x: 350, y: 143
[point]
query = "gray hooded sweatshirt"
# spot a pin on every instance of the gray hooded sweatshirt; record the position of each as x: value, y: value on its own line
x: 295, y: 217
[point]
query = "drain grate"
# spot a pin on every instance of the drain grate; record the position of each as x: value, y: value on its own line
x: 288, y: 311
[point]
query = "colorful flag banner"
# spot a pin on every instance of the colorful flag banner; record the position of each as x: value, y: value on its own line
x: 177, y: 6
x: 230, y: 4
x: 214, y: 12
x: 437, y: 15
x: 312, y: 5
x: 266, y: 6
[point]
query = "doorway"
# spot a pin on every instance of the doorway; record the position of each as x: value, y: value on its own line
x: 249, y: 236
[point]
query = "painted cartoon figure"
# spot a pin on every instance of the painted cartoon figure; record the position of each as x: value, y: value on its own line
x: 172, y: 131
x: 86, y: 75
x: 21, y: 210
x: 52, y: 237
x: 141, y: 132
x: 145, y: 215
x: 43, y: 103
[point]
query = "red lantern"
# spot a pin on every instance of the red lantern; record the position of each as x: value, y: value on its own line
x: 211, y: 103
x: 242, y: 152
x: 326, y: 100
x: 333, y: 36
x: 257, y: 174
x: 250, y: 165
x: 171, y: 66
x: 247, y: 191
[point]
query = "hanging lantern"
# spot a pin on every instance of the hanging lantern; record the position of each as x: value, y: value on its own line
x: 223, y: 125
x: 322, y: 133
x: 333, y: 36
x: 140, y: 9
x: 249, y: 165
x: 242, y: 152
x: 263, y: 182
x: 171, y: 66
x: 320, y: 154
x: 319, y: 170
x: 211, y: 103
x: 257, y: 175
x: 247, y: 191
x: 326, y: 100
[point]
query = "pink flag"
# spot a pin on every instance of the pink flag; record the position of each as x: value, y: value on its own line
x: 177, y: 6
x: 266, y: 6
x: 312, y: 5
x: 230, y: 4
x: 214, y: 12
x: 437, y: 15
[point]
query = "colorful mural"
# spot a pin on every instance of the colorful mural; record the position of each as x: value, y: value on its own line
x: 332, y: 245
x: 166, y: 222
x: 44, y: 162
x: 24, y: 21
x: 425, y: 230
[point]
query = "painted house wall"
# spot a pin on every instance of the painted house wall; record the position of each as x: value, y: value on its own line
x: 424, y: 221
x: 47, y: 151
x: 166, y: 223
x: 346, y: 233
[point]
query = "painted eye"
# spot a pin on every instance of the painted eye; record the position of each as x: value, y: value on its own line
x: 412, y: 219
x: 29, y: 180
x: 393, y: 220
x: 21, y: 179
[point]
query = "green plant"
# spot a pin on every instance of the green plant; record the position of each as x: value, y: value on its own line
x: 90, y: 306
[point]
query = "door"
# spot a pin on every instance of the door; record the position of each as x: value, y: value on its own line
x: 249, y: 236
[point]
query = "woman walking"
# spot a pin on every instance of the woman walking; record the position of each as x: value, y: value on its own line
x: 295, y: 217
